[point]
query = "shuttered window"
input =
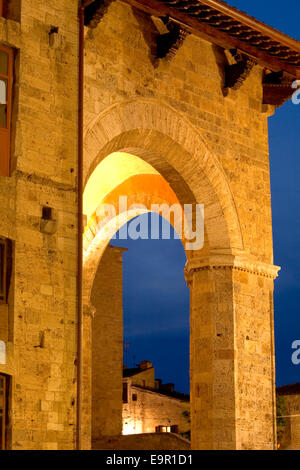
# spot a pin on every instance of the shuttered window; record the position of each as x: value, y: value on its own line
x: 125, y: 393
x: 3, y: 257
x: 5, y: 268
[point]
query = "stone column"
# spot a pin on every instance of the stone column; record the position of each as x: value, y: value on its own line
x: 86, y: 428
x: 232, y: 353
x: 107, y: 347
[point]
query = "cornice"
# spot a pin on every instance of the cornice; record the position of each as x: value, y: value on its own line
x: 233, y: 262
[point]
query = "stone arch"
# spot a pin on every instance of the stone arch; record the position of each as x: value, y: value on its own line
x: 100, y: 241
x: 95, y: 252
x: 166, y: 140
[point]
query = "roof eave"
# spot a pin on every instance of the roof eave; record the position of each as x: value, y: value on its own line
x: 253, y: 23
x: 211, y: 34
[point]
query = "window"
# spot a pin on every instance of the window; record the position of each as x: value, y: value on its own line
x: 10, y: 9
x: 163, y: 429
x: 3, y: 409
x: 3, y: 251
x: 173, y: 428
x: 5, y: 268
x: 125, y: 393
x: 5, y: 108
x: 134, y: 397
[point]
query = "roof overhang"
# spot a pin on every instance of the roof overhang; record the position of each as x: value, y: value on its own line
x: 225, y: 26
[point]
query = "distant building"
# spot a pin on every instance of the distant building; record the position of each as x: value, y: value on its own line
x: 150, y: 406
x: 291, y: 433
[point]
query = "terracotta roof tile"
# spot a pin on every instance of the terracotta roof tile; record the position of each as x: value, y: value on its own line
x: 226, y: 26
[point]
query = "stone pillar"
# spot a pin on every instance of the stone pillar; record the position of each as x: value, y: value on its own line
x: 86, y: 403
x: 232, y: 353
x: 107, y: 346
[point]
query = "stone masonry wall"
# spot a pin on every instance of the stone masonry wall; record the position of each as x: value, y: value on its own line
x: 145, y: 378
x: 120, y: 65
x: 152, y: 409
x: 107, y: 345
x: 41, y: 350
x: 291, y: 438
x: 255, y: 365
x: 154, y: 441
x: 231, y: 308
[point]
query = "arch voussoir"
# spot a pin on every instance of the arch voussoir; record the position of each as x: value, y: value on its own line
x: 169, y: 142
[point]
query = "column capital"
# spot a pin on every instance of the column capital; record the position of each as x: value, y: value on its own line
x: 239, y: 262
x: 88, y: 310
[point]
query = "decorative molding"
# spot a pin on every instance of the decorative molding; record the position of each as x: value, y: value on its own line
x: 236, y: 74
x: 169, y: 43
x: 238, y: 263
x: 94, y: 13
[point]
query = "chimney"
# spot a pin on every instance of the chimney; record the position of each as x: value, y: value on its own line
x: 157, y: 384
x: 145, y: 365
x: 167, y: 387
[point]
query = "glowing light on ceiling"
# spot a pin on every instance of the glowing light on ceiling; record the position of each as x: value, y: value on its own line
x: 111, y: 172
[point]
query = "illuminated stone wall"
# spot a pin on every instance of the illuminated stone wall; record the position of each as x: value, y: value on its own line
x: 41, y: 346
x: 294, y: 422
x: 150, y: 409
x: 107, y: 345
x: 291, y: 436
x: 145, y: 378
x: 121, y: 68
x: 156, y: 441
x: 212, y: 148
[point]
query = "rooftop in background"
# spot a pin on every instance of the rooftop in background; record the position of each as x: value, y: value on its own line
x: 291, y: 389
x: 167, y: 392
x: 221, y: 24
x: 156, y: 384
x: 142, y: 366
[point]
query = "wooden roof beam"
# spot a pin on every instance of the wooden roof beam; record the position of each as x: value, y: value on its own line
x: 218, y: 37
x: 252, y: 23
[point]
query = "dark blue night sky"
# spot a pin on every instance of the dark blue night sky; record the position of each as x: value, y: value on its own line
x: 156, y: 298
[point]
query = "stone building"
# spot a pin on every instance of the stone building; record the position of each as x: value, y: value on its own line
x: 150, y: 406
x: 291, y: 432
x: 162, y: 102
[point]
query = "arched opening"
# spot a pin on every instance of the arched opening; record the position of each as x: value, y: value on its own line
x: 124, y: 186
x: 145, y: 191
x: 154, y: 316
x: 161, y: 159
